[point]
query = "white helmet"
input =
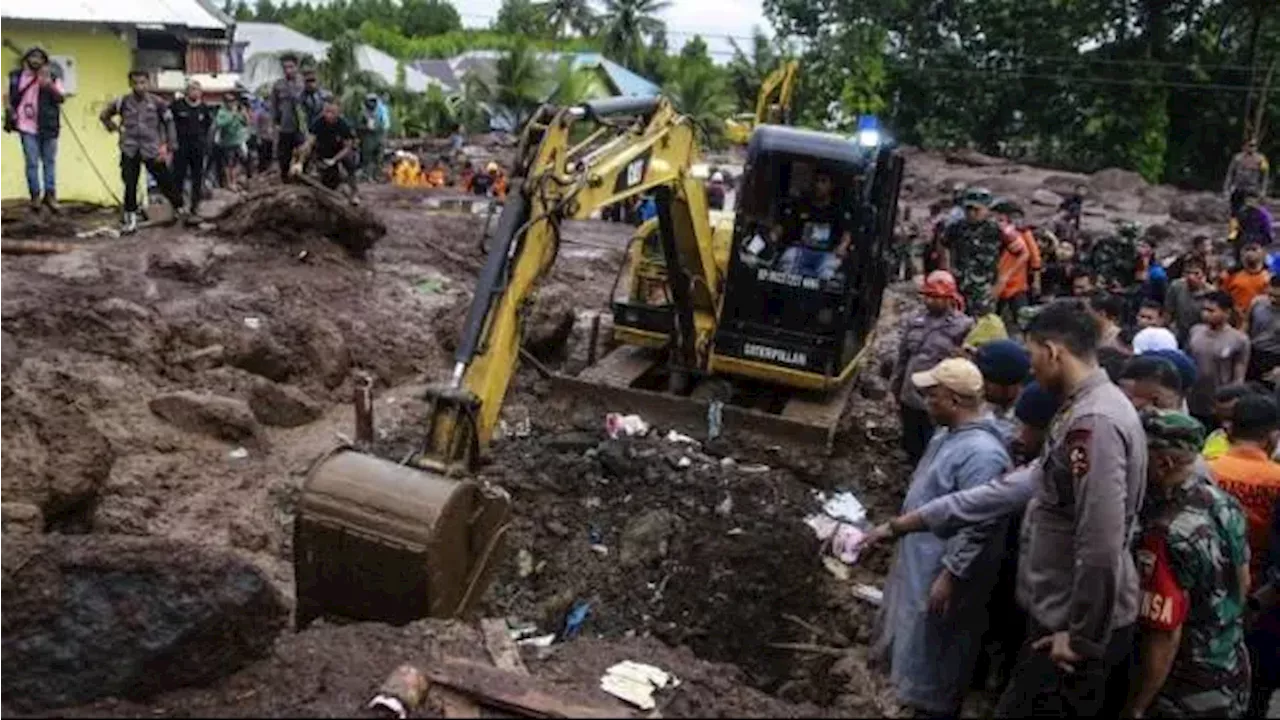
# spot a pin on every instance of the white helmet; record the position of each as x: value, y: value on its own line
x: 717, y: 176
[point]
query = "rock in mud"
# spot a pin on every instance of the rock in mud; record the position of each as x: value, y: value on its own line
x: 1115, y: 180
x: 550, y: 322
x: 327, y: 350
x: 190, y: 260
x: 1064, y: 184
x: 647, y: 537
x: 1200, y: 208
x: 105, y: 615
x: 261, y: 354
x: 77, y: 266
x: 18, y: 518
x: 282, y: 405
x: 1047, y: 198
x: 221, y: 417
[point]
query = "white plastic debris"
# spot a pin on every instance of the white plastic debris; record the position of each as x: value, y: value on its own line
x: 675, y: 437
x: 599, y: 549
x: 727, y: 462
x: 844, y: 506
x: 253, y: 323
x: 754, y: 469
x: 725, y: 506
x: 635, y: 683
x: 238, y: 454
x: 628, y: 425
x: 540, y: 641
x: 524, y: 563
x: 684, y: 462
x: 838, y: 570
x: 868, y: 593
x: 844, y: 543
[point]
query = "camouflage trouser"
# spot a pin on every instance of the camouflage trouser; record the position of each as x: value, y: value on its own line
x: 1224, y: 702
x: 977, y: 294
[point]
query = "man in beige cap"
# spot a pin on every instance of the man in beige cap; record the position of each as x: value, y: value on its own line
x: 935, y: 605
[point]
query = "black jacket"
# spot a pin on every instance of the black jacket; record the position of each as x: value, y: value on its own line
x: 192, y: 121
x: 48, y: 113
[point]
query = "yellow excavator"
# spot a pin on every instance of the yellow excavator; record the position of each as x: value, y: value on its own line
x: 773, y: 104
x: 757, y: 303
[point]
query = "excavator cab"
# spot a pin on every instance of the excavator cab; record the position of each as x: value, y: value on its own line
x: 807, y: 267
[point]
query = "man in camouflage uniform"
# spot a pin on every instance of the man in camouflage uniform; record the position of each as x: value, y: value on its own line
x: 1114, y: 259
x: 1193, y: 561
x: 971, y: 251
x: 1249, y: 172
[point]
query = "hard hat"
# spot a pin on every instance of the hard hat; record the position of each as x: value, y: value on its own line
x: 977, y: 196
x: 717, y: 176
x: 492, y: 167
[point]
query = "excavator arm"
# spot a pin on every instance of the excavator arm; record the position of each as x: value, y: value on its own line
x: 773, y: 104
x: 563, y: 180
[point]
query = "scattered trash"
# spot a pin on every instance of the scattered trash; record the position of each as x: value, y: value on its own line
x: 629, y: 425
x: 843, y: 506
x: 675, y: 437
x: 104, y: 231
x: 838, y: 570
x: 725, y: 506
x: 736, y: 531
x: 594, y: 536
x: 238, y: 454
x: 524, y: 563
x: 728, y: 462
x: 521, y: 425
x: 303, y: 255
x: 636, y: 682
x: 754, y: 469
x: 684, y: 462
x: 574, y: 619
x: 403, y: 691
x: 538, y: 641
x: 599, y: 549
x: 253, y: 323
x: 873, y: 595
x: 715, y: 423
x: 520, y: 631
x: 429, y: 286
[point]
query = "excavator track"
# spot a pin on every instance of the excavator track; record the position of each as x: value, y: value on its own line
x: 631, y: 379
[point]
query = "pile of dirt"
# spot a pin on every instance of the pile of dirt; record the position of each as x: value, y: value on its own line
x: 295, y: 212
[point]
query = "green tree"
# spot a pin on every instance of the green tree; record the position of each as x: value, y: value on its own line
x: 520, y: 83
x: 521, y: 18
x: 699, y: 89
x: 571, y: 85
x: 428, y: 17
x: 627, y: 24
x: 265, y: 11
x: 564, y: 16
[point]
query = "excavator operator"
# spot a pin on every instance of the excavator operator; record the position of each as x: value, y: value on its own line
x: 817, y: 232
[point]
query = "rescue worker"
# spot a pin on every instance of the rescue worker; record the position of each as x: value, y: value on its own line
x: 929, y: 338
x: 1014, y: 268
x: 232, y: 132
x: 1151, y: 382
x: 1193, y: 571
x: 1247, y: 470
x: 482, y: 183
x: 1249, y: 281
x: 313, y: 97
x: 499, y: 187
x: 33, y: 108
x: 1005, y: 367
x: 334, y: 143
x: 1249, y: 172
x: 287, y: 116
x: 1060, y: 271
x: 1221, y: 353
x: 1264, y: 635
x: 438, y: 175
x: 193, y: 120
x: 935, y: 600
x: 1255, y: 222
x: 1114, y: 259
x: 374, y: 124
x: 466, y: 176
x: 716, y: 191
x: 971, y: 250
x: 1184, y: 302
x: 147, y: 137
x: 1076, y: 577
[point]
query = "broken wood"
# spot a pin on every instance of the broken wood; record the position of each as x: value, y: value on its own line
x: 296, y: 211
x: 503, y: 651
x: 835, y: 637
x: 510, y: 691
x: 36, y: 247
x: 811, y: 648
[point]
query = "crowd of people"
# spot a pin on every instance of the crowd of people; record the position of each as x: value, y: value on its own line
x: 188, y: 144
x: 462, y: 174
x: 1093, y: 522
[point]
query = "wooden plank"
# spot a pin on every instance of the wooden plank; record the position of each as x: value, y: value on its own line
x: 503, y: 651
x: 521, y: 694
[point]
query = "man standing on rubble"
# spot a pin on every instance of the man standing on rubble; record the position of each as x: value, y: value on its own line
x: 147, y: 137
x: 1077, y: 578
x: 33, y: 108
x: 971, y: 252
x: 1249, y: 172
x: 935, y: 603
x: 194, y: 121
x: 334, y: 142
x: 286, y: 113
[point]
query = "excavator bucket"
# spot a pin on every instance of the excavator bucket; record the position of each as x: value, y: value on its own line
x: 378, y: 541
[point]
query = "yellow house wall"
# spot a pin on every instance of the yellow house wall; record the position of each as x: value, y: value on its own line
x: 103, y: 60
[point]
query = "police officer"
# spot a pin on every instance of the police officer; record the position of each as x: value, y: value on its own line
x: 971, y: 252
x: 147, y: 137
x: 193, y: 120
x: 1248, y: 172
x: 1076, y: 576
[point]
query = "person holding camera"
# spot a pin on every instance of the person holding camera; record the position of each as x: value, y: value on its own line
x: 33, y: 110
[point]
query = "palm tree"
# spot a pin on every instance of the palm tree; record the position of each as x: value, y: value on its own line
x: 520, y: 83
x: 626, y: 25
x: 699, y: 91
x: 571, y: 85
x: 575, y: 15
x: 340, y: 63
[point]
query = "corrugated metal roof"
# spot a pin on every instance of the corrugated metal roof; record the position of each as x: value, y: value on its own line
x: 186, y: 13
x: 273, y: 38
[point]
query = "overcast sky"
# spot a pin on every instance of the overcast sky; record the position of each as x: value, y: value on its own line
x: 685, y: 18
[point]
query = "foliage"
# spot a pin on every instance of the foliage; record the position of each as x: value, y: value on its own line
x: 700, y: 89
x: 564, y: 16
x: 395, y: 43
x: 520, y: 84
x: 628, y: 25
x: 521, y: 17
x: 328, y: 20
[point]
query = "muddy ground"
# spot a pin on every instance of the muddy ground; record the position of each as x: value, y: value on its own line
x: 177, y: 384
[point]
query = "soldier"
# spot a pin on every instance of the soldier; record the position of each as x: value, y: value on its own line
x: 1115, y: 259
x: 971, y: 251
x: 1248, y: 172
x: 1193, y: 570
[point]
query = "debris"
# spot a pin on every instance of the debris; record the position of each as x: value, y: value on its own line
x: 845, y: 542
x: 574, y: 619
x: 754, y: 469
x: 36, y: 247
x: 403, y: 691
x: 524, y: 563
x: 675, y: 437
x: 101, y: 230
x: 503, y: 652
x: 636, y: 682
x: 238, y: 454
x: 725, y: 506
x: 844, y: 506
x: 715, y: 421
x: 873, y: 595
x: 253, y: 323
x: 684, y: 462
x: 599, y: 549
x: 810, y: 648
x: 557, y: 528
x: 838, y: 569
x: 629, y: 425
x: 429, y: 286
x: 728, y: 462
x: 538, y: 641
x: 736, y: 531
x: 521, y: 694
